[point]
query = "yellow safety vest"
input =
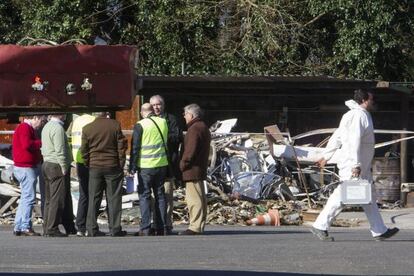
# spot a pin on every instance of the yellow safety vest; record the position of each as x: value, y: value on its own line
x: 77, y: 126
x: 152, y: 152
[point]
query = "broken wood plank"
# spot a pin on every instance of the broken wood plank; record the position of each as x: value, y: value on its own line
x: 8, y: 204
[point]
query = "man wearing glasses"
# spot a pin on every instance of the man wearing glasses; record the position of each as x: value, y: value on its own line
x: 193, y: 165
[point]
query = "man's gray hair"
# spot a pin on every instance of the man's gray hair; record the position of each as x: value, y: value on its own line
x: 194, y: 109
x: 101, y: 114
x: 60, y: 116
x: 159, y: 97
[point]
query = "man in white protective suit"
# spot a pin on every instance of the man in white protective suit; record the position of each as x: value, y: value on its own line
x: 355, y: 141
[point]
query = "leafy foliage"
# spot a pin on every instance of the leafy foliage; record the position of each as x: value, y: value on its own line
x: 358, y: 39
x: 370, y: 39
x: 10, y: 22
x: 57, y: 20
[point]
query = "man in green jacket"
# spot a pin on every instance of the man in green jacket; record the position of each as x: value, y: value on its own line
x: 56, y: 170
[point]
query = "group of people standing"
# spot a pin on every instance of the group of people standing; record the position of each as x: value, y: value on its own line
x: 99, y: 152
x: 29, y: 150
x: 155, y: 157
x: 98, y: 147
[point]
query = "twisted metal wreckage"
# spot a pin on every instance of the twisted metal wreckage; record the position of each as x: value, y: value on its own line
x: 253, y: 178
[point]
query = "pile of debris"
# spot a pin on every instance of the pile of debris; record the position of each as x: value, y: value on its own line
x: 247, y: 167
x: 247, y: 180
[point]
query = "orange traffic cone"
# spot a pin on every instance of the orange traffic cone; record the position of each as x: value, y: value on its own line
x: 270, y: 218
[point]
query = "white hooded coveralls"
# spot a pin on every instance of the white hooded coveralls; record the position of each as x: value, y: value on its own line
x: 355, y: 141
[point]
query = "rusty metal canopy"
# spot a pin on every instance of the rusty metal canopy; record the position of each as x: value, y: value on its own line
x: 213, y: 84
x: 263, y: 98
x: 303, y: 90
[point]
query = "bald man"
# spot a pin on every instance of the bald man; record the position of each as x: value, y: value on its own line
x: 149, y: 159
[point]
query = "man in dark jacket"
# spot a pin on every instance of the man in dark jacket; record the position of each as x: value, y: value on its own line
x: 193, y: 165
x: 103, y: 151
x: 175, y: 138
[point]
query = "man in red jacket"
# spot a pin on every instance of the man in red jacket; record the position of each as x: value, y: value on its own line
x: 26, y: 157
x: 193, y: 165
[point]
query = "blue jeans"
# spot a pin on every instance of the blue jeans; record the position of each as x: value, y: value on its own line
x: 27, y: 178
x: 152, y: 180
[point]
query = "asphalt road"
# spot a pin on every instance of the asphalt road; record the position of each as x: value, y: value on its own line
x: 228, y: 250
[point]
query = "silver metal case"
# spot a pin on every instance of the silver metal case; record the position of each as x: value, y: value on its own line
x: 355, y: 192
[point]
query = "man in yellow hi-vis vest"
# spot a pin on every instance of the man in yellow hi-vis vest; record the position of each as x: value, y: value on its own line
x: 149, y: 159
x: 175, y: 138
x: 82, y: 170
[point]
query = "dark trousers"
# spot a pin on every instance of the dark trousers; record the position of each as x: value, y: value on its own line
x: 152, y: 180
x: 83, y: 176
x: 41, y: 189
x: 110, y: 181
x: 58, y: 200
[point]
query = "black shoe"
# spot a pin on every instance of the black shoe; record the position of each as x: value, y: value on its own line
x: 322, y: 235
x: 71, y: 231
x: 169, y: 231
x: 143, y: 233
x: 119, y: 234
x: 17, y: 233
x: 57, y: 234
x: 29, y: 233
x: 188, y: 232
x: 161, y: 232
x: 95, y: 234
x: 388, y: 234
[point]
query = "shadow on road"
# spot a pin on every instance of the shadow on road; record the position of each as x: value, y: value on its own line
x: 169, y: 273
x: 396, y: 216
x: 252, y: 232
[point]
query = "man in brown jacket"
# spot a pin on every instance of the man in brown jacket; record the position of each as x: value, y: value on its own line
x: 103, y: 150
x: 193, y: 165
